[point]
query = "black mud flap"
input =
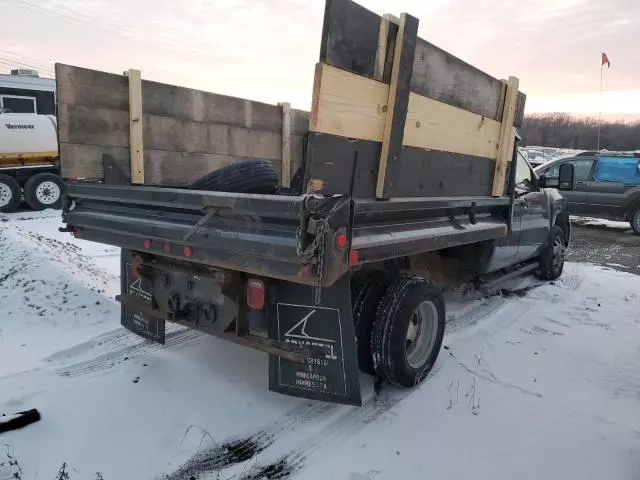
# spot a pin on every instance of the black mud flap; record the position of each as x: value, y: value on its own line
x: 331, y: 374
x: 139, y: 323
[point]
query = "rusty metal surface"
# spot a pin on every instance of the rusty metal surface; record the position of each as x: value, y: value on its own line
x: 253, y: 341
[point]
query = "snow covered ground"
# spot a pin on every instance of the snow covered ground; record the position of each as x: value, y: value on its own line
x: 541, y: 382
x: 600, y: 222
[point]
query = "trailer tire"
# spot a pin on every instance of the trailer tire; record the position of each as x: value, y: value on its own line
x: 366, y: 292
x: 552, y: 257
x: 44, y: 190
x: 248, y: 176
x: 408, y: 331
x: 10, y: 194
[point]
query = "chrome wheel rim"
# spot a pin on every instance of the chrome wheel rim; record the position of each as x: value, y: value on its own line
x: 421, y: 334
x: 6, y: 195
x: 48, y: 193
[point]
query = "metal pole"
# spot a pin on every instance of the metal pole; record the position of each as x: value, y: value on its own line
x: 600, y: 113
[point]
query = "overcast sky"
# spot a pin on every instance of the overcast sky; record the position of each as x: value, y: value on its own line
x: 266, y: 49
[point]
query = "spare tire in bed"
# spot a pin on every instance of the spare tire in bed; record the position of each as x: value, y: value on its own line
x: 247, y: 176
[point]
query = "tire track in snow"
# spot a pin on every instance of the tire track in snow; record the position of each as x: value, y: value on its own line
x: 121, y: 350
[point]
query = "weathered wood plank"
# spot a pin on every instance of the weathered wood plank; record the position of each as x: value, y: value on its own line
x: 507, y: 138
x: 350, y: 41
x: 336, y: 163
x: 93, y: 117
x: 285, y: 176
x: 81, y: 86
x: 349, y: 105
x: 135, y: 126
x: 382, y: 58
x: 161, y: 167
x: 397, y: 104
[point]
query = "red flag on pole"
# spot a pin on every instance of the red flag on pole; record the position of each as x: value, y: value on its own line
x: 605, y: 60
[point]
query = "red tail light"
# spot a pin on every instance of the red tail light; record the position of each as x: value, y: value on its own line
x: 255, y: 294
x: 166, y: 248
x: 354, y: 258
x: 341, y: 240
x: 187, y: 251
x: 147, y: 244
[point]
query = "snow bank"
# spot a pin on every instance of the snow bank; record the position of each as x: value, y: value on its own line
x: 540, y: 382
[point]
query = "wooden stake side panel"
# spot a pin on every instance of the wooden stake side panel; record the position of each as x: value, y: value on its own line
x: 353, y: 106
x: 350, y: 41
x: 335, y: 164
x: 397, y: 104
x: 179, y: 125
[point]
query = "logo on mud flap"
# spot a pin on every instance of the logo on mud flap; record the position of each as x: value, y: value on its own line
x: 299, y: 332
x: 138, y: 322
x: 319, y: 330
x: 137, y: 289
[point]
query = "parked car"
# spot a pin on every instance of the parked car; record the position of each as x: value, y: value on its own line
x: 607, y: 185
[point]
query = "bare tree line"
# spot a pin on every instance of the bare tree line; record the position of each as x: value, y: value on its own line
x: 564, y: 131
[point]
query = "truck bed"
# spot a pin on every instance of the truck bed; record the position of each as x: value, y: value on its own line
x: 260, y: 233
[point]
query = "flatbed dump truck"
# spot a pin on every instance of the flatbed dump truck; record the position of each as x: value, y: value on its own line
x: 325, y: 238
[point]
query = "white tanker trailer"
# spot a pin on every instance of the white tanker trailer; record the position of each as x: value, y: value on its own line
x: 29, y: 162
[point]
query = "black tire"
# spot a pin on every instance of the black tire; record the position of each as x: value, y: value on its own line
x: 394, y: 356
x: 10, y: 194
x: 552, y: 257
x: 44, y: 190
x: 634, y: 220
x: 366, y: 292
x: 248, y: 176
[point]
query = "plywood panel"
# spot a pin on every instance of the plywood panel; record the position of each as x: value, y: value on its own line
x: 353, y: 106
x: 339, y: 162
x: 350, y: 41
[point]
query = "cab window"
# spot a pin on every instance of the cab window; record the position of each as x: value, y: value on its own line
x: 581, y: 170
x: 523, y: 172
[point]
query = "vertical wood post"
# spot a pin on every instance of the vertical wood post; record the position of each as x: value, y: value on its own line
x: 383, y: 40
x: 507, y: 137
x: 135, y: 126
x: 285, y: 176
x: 397, y: 103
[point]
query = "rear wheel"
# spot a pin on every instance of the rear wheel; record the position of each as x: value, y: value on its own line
x: 634, y: 220
x: 10, y: 194
x: 44, y: 190
x: 408, y: 331
x: 366, y: 292
x: 552, y: 257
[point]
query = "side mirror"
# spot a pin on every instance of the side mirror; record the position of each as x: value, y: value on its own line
x: 542, y: 181
x: 565, y: 177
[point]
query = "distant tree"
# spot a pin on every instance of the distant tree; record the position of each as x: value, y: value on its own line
x: 564, y: 131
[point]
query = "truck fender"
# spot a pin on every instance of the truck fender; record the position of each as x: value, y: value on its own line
x: 559, y: 214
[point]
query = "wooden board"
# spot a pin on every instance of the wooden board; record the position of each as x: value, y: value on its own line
x: 189, y: 125
x: 161, y: 166
x: 337, y: 163
x: 135, y: 126
x: 507, y: 137
x: 397, y: 104
x: 350, y: 41
x: 285, y: 177
x: 349, y: 105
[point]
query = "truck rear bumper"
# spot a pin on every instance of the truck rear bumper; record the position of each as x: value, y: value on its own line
x: 311, y: 347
